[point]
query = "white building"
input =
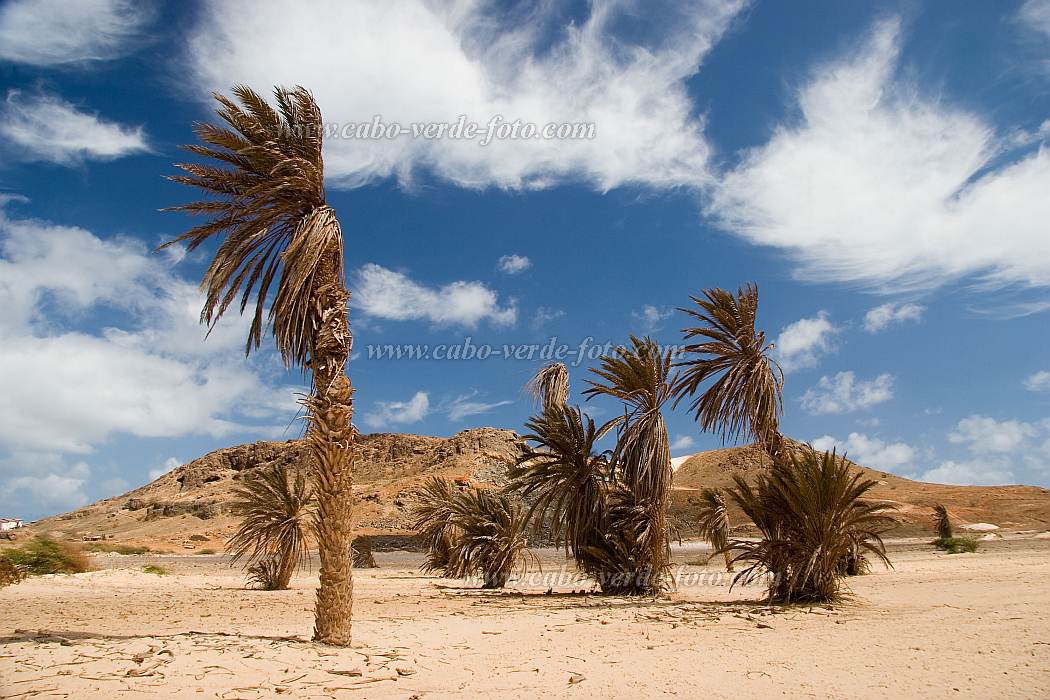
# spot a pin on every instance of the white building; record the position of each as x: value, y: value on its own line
x: 10, y: 524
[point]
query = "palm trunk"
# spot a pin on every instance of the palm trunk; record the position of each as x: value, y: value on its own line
x: 331, y: 440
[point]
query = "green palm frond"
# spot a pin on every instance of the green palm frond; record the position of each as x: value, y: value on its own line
x: 492, y: 539
x: 563, y: 475
x: 267, y: 205
x: 745, y: 398
x: 275, y: 512
x: 813, y: 519
x: 550, y: 385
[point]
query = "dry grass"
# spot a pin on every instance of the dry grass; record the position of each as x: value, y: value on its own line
x: 43, y: 555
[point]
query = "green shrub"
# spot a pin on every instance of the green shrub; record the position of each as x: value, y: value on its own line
x: 43, y: 555
x: 956, y: 545
x: 206, y: 550
x: 110, y: 547
x: 154, y: 569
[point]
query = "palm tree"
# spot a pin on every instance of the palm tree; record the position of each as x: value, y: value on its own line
x: 564, y: 475
x: 942, y: 522
x: 714, y: 522
x: 491, y: 537
x: 432, y: 520
x: 267, y: 207
x: 272, y: 534
x: 812, y: 518
x: 640, y: 376
x: 550, y: 385
x: 746, y: 396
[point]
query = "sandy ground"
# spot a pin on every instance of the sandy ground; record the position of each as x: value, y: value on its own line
x: 975, y: 625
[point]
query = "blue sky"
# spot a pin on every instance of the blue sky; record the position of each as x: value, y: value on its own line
x: 880, y: 170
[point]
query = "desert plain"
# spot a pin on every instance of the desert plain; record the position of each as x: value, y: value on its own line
x: 936, y: 625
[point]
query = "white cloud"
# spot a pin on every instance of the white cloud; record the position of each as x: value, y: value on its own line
x: 971, y: 473
x: 983, y: 434
x: 802, y: 343
x: 1036, y: 14
x: 683, y: 442
x: 46, y: 127
x: 545, y: 315
x: 57, y: 32
x: 869, y: 451
x: 56, y: 489
x: 652, y: 316
x: 69, y: 390
x: 466, y: 405
x: 844, y: 393
x: 398, y: 412
x: 465, y: 58
x: 393, y: 295
x: 169, y: 464
x: 1040, y: 381
x: 879, y: 184
x: 884, y: 315
x: 513, y: 264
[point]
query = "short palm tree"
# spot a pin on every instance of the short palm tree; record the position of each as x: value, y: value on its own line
x: 942, y: 522
x: 492, y: 537
x: 812, y: 518
x: 640, y: 376
x: 267, y: 208
x: 713, y: 522
x: 275, y: 511
x: 564, y: 475
x: 745, y: 398
x: 432, y: 521
x: 550, y: 385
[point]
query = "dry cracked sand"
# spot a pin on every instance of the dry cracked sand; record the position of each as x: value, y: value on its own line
x: 972, y: 625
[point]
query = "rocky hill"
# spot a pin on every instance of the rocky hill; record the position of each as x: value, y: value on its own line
x: 189, y: 508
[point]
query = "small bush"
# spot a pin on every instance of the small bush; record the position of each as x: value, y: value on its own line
x: 154, y: 569
x: 9, y: 573
x: 109, y: 547
x: 206, y: 550
x: 956, y: 545
x: 43, y: 555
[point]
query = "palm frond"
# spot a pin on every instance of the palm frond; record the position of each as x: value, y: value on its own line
x: 275, y: 512
x: 432, y: 521
x: 550, y: 385
x: 267, y: 207
x: 713, y: 521
x: 745, y: 398
x: 491, y: 539
x: 813, y: 519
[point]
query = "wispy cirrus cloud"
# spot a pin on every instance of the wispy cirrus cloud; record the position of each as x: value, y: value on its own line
x: 612, y: 68
x: 881, y: 184
x: 394, y: 413
x: 42, y: 127
x: 64, y: 32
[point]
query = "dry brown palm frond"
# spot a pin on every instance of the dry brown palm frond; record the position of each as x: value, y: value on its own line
x: 745, y: 398
x: 550, y: 386
x: 491, y: 537
x: 941, y: 522
x: 275, y: 508
x: 363, y: 556
x: 713, y: 521
x: 267, y: 204
x: 432, y: 521
x: 813, y: 519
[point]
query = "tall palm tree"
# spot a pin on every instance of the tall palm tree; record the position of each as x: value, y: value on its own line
x: 550, y: 385
x: 564, y: 475
x: 267, y: 208
x: 714, y: 522
x: 272, y: 533
x: 640, y: 376
x: 746, y: 396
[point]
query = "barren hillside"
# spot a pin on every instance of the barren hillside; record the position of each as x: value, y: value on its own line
x: 188, y: 508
